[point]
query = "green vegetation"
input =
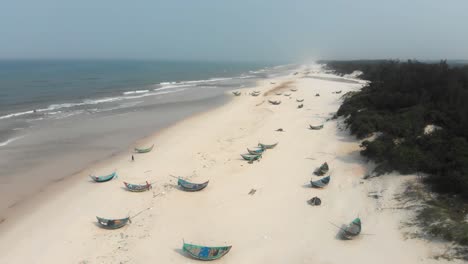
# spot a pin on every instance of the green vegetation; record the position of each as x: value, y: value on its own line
x: 401, y: 99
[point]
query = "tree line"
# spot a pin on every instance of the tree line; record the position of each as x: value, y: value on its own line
x: 401, y: 99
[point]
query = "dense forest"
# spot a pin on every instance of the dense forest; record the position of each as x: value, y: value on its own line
x: 401, y: 99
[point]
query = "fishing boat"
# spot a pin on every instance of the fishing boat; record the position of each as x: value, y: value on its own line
x: 352, y: 230
x: 236, y: 93
x: 320, y: 171
x: 316, y: 127
x: 254, y: 94
x: 299, y: 100
x: 104, y: 178
x: 191, y: 187
x: 320, y: 183
x: 250, y: 157
x: 315, y: 201
x: 278, y: 93
x: 277, y: 102
x: 138, y: 187
x: 205, y: 253
x: 256, y: 151
x: 293, y: 90
x: 317, y: 94
x: 287, y: 94
x: 112, y: 223
x: 144, y: 150
x: 266, y: 146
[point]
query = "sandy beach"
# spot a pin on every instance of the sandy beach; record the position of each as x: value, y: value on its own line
x: 275, y: 224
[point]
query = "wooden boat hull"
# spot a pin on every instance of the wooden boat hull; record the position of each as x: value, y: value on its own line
x: 266, y: 146
x: 352, y: 230
x: 205, y: 253
x: 320, y: 183
x: 236, y: 93
x: 191, y: 187
x: 299, y: 100
x: 112, y: 223
x: 274, y: 102
x: 138, y: 187
x: 138, y: 150
x: 104, y: 178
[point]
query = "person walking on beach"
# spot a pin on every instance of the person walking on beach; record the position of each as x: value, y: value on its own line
x: 133, y: 159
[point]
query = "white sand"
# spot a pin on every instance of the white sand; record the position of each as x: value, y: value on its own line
x: 275, y: 225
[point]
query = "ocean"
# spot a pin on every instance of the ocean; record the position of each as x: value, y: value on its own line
x: 58, y: 116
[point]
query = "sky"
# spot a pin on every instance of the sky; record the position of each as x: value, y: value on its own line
x: 236, y: 30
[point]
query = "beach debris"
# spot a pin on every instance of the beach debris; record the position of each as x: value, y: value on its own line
x: 272, y: 83
x: 296, y: 73
x: 300, y: 106
x: 315, y: 201
x: 252, y: 192
x: 317, y: 94
x: 279, y: 130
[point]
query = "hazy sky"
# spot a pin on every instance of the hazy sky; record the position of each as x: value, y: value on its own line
x: 234, y: 29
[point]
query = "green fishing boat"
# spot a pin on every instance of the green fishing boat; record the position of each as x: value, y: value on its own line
x: 352, y: 230
x: 205, y: 253
x: 256, y: 151
x: 250, y: 157
x: 266, y: 146
x: 103, y: 178
x: 144, y: 150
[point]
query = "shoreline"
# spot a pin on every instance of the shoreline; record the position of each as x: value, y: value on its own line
x: 31, y: 202
x: 206, y: 146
